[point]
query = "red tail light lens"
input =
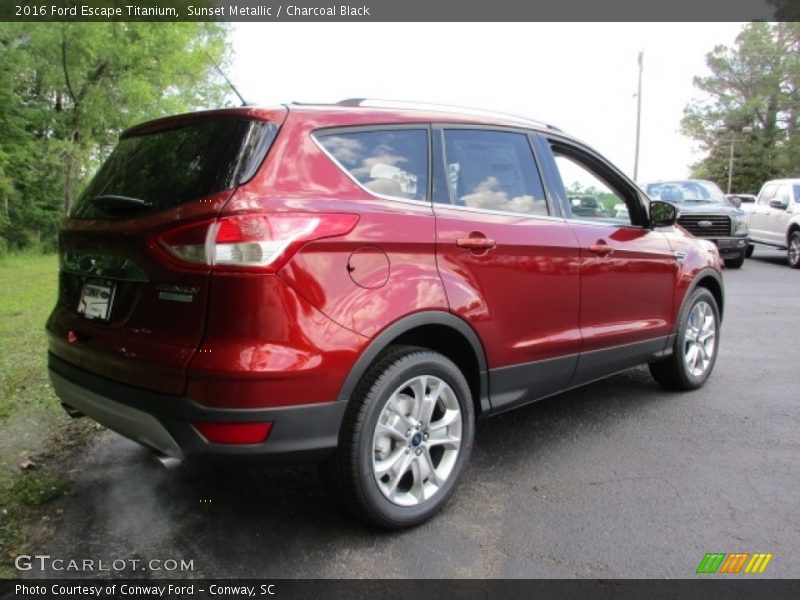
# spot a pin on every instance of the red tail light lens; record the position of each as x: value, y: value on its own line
x: 257, y: 241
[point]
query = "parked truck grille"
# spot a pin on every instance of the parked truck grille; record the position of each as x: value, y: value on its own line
x: 706, y: 225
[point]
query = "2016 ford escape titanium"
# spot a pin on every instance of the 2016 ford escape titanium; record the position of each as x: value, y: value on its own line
x: 355, y: 284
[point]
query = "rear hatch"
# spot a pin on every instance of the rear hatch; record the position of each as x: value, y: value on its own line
x: 126, y: 309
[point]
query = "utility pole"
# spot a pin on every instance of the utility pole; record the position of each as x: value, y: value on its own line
x: 730, y: 165
x: 732, y: 141
x: 638, y: 118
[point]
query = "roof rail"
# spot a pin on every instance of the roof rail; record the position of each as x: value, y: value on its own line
x: 382, y: 103
x: 352, y: 101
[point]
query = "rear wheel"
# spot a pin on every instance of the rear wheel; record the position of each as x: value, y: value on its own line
x: 793, y: 253
x: 405, y: 441
x: 694, y: 351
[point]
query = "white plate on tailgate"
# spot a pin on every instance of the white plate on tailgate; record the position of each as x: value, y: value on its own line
x: 96, y: 299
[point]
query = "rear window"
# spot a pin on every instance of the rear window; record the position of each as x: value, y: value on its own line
x: 685, y: 191
x: 170, y: 167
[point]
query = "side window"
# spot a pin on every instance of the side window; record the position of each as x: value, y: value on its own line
x: 493, y: 170
x: 589, y: 196
x: 767, y: 194
x: 783, y: 194
x: 797, y: 193
x: 387, y: 162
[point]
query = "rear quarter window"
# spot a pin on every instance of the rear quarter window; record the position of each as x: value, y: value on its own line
x: 392, y: 162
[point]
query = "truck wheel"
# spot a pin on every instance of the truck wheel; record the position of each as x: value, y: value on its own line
x: 793, y: 253
x: 405, y: 440
x: 694, y: 351
x: 735, y: 263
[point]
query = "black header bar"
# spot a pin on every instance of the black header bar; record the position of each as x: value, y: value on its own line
x: 399, y: 10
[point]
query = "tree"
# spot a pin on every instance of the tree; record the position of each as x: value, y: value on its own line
x: 755, y: 86
x: 786, y: 10
x: 67, y: 90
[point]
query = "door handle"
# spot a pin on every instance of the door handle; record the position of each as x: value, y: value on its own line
x: 601, y: 248
x: 476, y: 243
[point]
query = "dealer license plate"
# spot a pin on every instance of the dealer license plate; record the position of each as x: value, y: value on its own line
x: 96, y: 300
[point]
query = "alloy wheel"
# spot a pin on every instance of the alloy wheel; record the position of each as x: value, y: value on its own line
x: 417, y: 440
x: 699, y: 339
x: 794, y: 250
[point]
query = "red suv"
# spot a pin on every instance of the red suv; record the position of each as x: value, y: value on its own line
x: 354, y: 284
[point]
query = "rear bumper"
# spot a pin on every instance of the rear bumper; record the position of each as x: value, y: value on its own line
x: 162, y: 422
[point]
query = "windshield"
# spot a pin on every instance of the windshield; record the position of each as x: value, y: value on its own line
x: 169, y: 167
x: 685, y: 191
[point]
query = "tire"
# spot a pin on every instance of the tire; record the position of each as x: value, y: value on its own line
x: 736, y: 263
x: 749, y: 252
x: 793, y: 252
x: 694, y: 350
x: 393, y: 468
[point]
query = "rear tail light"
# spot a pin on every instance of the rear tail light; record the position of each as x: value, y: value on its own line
x: 234, y: 433
x: 253, y: 242
x: 188, y: 243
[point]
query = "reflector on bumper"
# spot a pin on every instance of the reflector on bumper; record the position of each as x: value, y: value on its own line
x: 233, y: 433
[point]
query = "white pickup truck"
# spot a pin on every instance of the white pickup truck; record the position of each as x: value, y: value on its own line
x: 774, y: 219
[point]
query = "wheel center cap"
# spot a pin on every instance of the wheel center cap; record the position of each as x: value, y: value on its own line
x: 417, y: 439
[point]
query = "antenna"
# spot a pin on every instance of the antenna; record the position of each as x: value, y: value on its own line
x: 225, y: 77
x: 639, y: 117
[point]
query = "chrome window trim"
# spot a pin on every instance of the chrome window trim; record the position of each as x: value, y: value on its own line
x: 490, y: 211
x: 606, y: 224
x: 344, y: 169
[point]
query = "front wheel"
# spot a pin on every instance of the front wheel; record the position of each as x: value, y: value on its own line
x: 793, y: 253
x: 694, y: 350
x: 405, y: 441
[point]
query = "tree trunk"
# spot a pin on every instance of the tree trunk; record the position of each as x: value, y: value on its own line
x: 69, y: 183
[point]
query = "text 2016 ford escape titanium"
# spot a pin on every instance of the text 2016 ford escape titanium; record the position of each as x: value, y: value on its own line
x: 354, y: 285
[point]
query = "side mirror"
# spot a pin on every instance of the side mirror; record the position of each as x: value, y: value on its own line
x: 782, y: 204
x: 662, y: 214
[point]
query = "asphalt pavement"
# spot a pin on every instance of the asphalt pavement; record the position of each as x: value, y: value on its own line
x: 617, y: 479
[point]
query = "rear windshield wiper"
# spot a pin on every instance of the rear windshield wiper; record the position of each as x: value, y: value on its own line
x: 120, y: 204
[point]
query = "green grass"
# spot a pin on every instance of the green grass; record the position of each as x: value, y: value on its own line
x: 32, y: 424
x: 28, y: 286
x: 34, y: 489
x: 22, y: 497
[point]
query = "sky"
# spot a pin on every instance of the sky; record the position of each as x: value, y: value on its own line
x: 581, y: 77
